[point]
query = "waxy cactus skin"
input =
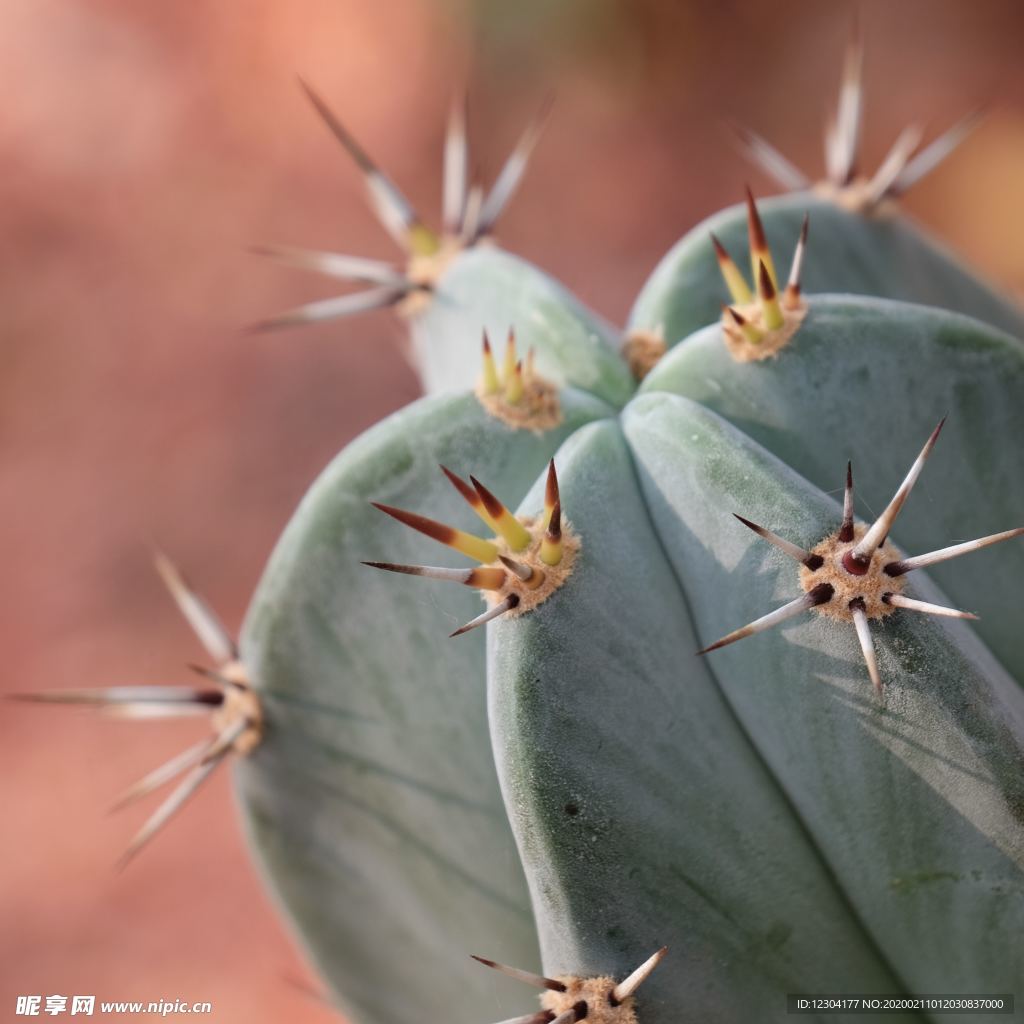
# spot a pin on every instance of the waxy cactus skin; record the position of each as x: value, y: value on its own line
x: 681, y: 721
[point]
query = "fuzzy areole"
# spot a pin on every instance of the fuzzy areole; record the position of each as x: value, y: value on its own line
x: 532, y: 594
x: 538, y: 409
x: 870, y: 587
x: 772, y: 341
x: 596, y: 993
x: 643, y: 349
x: 241, y: 703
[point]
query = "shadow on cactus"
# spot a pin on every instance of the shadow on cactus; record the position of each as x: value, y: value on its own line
x: 569, y: 786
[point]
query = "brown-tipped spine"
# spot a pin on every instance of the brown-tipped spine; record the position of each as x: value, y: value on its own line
x: 791, y: 297
x: 738, y: 288
x: 551, y: 545
x: 537, y: 980
x: 751, y: 332
x: 759, y: 251
x: 771, y: 311
x: 482, y: 578
x: 473, y: 546
x: 551, y: 498
x: 846, y: 529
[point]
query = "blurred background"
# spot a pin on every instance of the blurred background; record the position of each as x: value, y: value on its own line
x: 145, y: 146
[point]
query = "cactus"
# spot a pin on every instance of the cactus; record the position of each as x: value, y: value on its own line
x: 864, y: 244
x: 576, y: 776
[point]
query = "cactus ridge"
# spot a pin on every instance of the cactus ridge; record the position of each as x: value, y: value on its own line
x: 469, y: 215
x: 842, y: 577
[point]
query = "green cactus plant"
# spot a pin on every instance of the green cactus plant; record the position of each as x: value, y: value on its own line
x: 570, y: 777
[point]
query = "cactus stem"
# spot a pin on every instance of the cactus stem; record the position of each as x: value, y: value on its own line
x: 772, y: 311
x: 846, y: 530
x: 738, y: 288
x: 456, y: 167
x: 791, y: 299
x: 394, y: 211
x: 793, y: 550
x: 536, y: 980
x: 482, y: 578
x: 467, y: 543
x: 750, y: 331
x: 628, y: 986
x: 489, y: 384
x: 515, y: 534
x: 902, y: 601
x: 527, y: 573
x: 760, y: 254
x: 879, y: 530
x: 905, y: 565
x: 867, y: 645
x: 507, y: 605
x: 551, y: 545
x: 821, y: 594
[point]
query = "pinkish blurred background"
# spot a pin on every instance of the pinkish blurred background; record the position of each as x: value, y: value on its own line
x: 145, y: 145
